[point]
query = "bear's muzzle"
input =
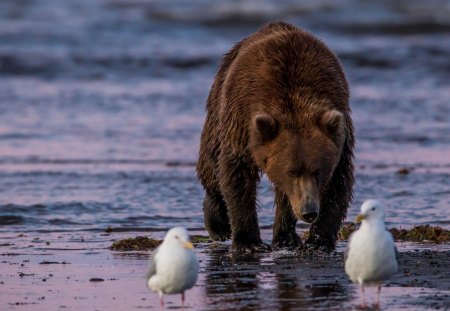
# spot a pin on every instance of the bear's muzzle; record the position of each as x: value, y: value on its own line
x: 310, y: 212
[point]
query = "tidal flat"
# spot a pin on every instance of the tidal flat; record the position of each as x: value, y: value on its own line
x: 81, y: 272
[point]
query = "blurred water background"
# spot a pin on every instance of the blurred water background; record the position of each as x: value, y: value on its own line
x: 102, y: 105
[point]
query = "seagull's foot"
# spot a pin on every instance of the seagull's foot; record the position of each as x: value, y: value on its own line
x: 288, y: 240
x: 367, y: 307
x: 363, y: 306
x: 256, y: 247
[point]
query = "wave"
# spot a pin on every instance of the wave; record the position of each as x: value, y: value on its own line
x: 75, y: 65
x: 6, y: 220
x: 50, y: 208
x: 37, y: 160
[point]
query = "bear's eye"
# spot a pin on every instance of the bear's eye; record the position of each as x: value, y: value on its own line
x: 296, y: 170
x: 316, y: 175
x: 291, y: 174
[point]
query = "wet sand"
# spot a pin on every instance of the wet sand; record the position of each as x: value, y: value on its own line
x: 74, y: 272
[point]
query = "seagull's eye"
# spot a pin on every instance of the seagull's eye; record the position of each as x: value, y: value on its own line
x: 373, y: 208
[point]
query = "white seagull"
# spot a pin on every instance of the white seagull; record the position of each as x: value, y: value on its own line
x: 173, y: 267
x: 371, y: 255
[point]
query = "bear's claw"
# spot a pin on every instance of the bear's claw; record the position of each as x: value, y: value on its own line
x: 251, y: 248
x: 290, y: 241
x: 314, y: 248
x: 219, y: 237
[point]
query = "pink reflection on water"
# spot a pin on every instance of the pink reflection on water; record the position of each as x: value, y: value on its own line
x: 427, y: 158
x: 77, y: 258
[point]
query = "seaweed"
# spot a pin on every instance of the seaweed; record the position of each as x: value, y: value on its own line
x: 420, y: 233
x: 139, y: 243
x: 46, y: 262
x: 345, y: 231
x: 403, y: 171
x: 142, y: 243
x: 196, y: 239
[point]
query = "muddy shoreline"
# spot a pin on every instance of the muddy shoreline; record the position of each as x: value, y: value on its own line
x: 83, y: 273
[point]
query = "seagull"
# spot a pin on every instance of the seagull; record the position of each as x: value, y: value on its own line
x: 371, y: 255
x: 173, y: 267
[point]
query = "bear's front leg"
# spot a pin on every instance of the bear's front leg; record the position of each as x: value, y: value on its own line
x: 216, y: 217
x: 284, y: 235
x: 238, y: 181
x: 323, y: 233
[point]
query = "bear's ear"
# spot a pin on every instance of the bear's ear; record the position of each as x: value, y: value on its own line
x: 332, y: 122
x: 266, y: 128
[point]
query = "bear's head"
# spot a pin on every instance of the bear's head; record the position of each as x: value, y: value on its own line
x: 299, y: 156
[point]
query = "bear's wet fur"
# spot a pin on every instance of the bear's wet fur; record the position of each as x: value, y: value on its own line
x: 279, y: 106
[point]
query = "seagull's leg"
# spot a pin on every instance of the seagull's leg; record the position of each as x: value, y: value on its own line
x: 161, y: 299
x: 378, y: 295
x: 182, y: 299
x: 363, y: 304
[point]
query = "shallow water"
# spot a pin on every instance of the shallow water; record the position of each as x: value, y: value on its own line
x: 55, y: 270
x: 102, y: 104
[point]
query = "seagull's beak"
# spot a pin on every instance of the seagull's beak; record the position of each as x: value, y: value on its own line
x: 188, y: 245
x: 360, y: 218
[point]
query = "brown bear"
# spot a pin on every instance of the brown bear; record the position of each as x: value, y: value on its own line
x: 279, y: 106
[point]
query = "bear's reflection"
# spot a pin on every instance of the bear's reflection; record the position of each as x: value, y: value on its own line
x: 231, y: 279
x: 310, y: 283
x: 265, y: 282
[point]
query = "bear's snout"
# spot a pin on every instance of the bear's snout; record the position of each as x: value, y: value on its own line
x: 310, y: 212
x: 305, y: 209
x: 304, y: 199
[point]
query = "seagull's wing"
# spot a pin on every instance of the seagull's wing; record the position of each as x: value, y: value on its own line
x: 395, y: 247
x: 152, y: 264
x: 347, y: 249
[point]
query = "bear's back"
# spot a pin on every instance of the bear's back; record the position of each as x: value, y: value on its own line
x: 278, y: 67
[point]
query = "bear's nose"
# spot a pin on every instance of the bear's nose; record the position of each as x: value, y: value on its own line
x: 309, y: 212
